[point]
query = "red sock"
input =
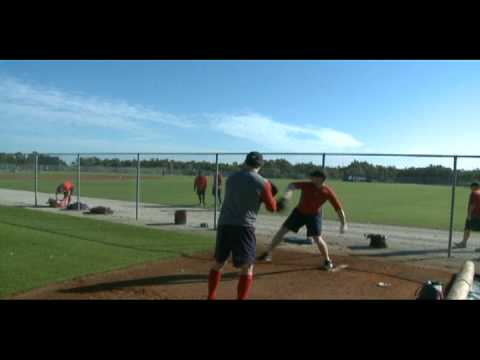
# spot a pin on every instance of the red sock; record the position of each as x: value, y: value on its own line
x: 244, y: 284
x: 213, y: 281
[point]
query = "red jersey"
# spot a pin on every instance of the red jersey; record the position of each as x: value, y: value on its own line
x: 68, y: 186
x: 200, y: 182
x: 313, y: 198
x: 475, y: 202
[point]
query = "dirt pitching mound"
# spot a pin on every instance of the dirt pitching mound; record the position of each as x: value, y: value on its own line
x: 293, y: 275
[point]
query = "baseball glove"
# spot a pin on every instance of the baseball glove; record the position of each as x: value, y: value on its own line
x: 101, y: 210
x: 274, y: 189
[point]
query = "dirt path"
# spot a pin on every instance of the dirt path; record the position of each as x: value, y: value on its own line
x: 405, y: 243
x: 293, y: 275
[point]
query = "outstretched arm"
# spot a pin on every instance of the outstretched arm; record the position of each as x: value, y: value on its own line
x: 338, y: 208
x: 343, y: 220
x: 282, y: 202
x: 267, y: 197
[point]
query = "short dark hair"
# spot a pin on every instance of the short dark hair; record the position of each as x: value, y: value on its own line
x: 254, y: 159
x: 474, y: 184
x: 318, y: 173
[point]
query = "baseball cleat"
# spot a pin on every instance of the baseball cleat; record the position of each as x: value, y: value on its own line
x: 266, y: 257
x: 327, y: 265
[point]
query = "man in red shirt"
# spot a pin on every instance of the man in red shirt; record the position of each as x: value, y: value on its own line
x: 200, y: 185
x: 314, y: 194
x: 67, y: 189
x: 473, y: 215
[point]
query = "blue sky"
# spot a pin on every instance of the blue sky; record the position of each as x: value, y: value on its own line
x: 292, y: 106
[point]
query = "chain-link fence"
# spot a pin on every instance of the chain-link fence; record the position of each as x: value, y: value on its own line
x: 419, y: 200
x: 17, y: 171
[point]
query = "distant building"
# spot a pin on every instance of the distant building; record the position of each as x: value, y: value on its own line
x: 356, y: 178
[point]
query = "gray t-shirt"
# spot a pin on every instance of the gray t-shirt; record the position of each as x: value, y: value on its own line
x: 244, y: 192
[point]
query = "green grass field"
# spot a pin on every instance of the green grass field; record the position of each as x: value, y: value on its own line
x: 37, y: 248
x: 425, y: 206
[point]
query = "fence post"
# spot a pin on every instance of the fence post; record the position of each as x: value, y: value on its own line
x: 137, y: 197
x: 78, y: 181
x: 216, y: 193
x: 35, y: 166
x: 452, y: 206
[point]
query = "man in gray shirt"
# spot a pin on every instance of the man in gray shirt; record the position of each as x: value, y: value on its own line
x: 244, y: 192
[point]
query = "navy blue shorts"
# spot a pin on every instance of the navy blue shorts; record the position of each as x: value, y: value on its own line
x: 296, y: 220
x: 240, y: 241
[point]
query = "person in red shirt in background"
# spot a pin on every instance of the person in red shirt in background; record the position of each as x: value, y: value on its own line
x: 473, y: 215
x: 314, y: 194
x: 200, y: 186
x: 67, y: 189
x: 219, y: 191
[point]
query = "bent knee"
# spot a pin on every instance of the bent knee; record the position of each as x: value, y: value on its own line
x: 218, y: 266
x: 246, y: 269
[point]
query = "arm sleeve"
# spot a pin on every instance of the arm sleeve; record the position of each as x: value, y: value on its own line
x: 332, y: 198
x: 267, y: 197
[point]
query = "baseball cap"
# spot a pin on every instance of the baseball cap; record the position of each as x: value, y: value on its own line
x: 254, y: 159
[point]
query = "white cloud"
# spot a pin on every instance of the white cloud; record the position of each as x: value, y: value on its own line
x: 35, y: 111
x: 37, y: 105
x: 277, y: 136
x: 84, y: 144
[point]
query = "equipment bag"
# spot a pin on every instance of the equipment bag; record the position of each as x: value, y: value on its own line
x: 431, y: 290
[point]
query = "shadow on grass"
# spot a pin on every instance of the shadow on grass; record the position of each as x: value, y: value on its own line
x: 92, y: 240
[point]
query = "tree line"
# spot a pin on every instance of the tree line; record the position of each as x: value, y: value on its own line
x: 23, y: 159
x: 279, y: 168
